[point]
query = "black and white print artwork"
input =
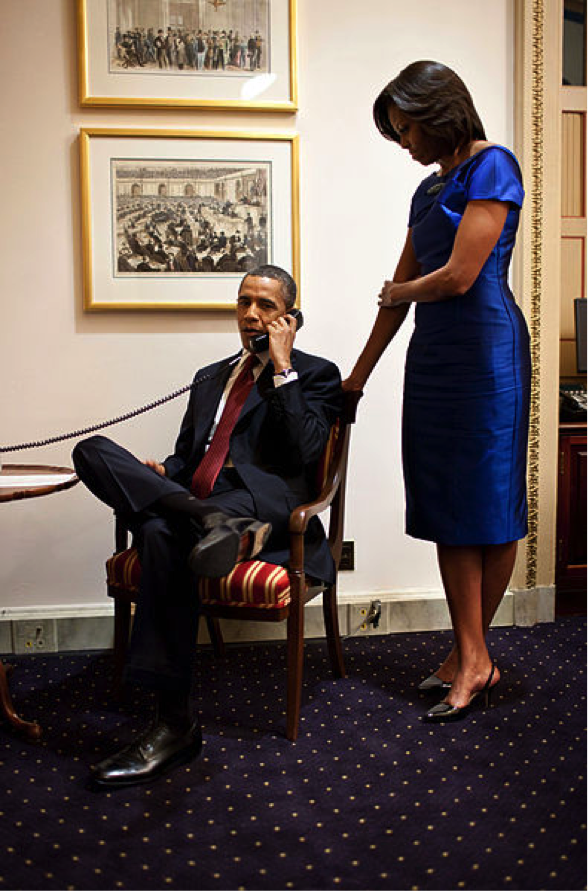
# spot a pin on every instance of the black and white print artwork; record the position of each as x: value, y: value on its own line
x: 190, y: 217
x: 211, y: 38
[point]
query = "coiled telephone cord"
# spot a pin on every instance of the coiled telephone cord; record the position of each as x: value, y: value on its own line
x: 77, y: 434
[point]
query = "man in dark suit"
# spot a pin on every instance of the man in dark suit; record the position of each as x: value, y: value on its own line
x: 193, y: 516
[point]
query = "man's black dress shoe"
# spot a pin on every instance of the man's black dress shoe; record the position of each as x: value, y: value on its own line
x: 158, y: 750
x: 232, y: 540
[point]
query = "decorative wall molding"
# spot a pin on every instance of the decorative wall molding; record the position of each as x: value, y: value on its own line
x: 537, y: 118
x: 538, y: 28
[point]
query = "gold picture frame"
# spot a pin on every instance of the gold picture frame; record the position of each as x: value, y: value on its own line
x: 172, y: 219
x: 120, y: 66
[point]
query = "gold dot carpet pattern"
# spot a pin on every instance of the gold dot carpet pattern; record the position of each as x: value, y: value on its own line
x: 368, y: 797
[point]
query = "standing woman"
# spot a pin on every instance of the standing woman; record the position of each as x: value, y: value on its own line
x: 467, y: 376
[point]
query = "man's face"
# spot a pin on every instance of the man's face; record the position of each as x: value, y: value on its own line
x: 259, y: 302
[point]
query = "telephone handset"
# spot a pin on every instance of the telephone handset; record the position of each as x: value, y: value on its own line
x: 261, y: 342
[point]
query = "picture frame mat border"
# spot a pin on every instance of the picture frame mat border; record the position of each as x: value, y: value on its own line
x: 287, y: 103
x: 91, y: 301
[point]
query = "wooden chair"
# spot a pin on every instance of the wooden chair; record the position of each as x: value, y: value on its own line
x: 257, y: 590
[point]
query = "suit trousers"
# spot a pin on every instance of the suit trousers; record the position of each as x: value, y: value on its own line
x: 163, y: 640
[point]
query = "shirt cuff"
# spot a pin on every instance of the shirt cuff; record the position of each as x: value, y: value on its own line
x: 281, y: 379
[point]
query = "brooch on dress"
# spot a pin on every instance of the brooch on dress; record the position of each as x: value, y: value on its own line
x: 434, y: 189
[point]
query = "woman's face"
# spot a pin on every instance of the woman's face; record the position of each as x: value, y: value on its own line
x: 412, y: 137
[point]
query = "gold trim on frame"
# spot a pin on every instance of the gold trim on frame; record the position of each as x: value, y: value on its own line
x: 87, y: 133
x: 88, y: 100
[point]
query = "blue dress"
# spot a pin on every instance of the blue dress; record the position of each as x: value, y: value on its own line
x: 468, y: 372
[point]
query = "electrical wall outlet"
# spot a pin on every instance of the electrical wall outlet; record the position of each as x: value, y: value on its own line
x: 367, y: 620
x: 30, y: 636
x: 347, y: 563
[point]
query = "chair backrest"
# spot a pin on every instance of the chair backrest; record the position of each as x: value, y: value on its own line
x: 334, y: 470
x: 327, y: 456
x: 347, y: 416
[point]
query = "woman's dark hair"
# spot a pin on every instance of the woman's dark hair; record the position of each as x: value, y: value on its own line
x: 435, y: 97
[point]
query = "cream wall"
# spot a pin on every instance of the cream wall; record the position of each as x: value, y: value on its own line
x: 62, y: 369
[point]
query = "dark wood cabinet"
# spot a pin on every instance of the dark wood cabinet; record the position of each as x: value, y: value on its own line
x: 570, y: 574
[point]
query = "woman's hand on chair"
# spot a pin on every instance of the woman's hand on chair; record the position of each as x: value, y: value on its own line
x: 353, y: 384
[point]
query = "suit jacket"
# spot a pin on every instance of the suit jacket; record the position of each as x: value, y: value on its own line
x: 275, y: 446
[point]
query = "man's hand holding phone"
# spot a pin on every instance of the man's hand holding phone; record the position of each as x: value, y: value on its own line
x: 282, y: 333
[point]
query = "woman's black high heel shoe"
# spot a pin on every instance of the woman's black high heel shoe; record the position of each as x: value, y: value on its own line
x: 444, y: 711
x: 433, y: 684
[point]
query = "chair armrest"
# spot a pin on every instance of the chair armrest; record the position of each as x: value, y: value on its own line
x: 333, y: 490
x: 301, y: 515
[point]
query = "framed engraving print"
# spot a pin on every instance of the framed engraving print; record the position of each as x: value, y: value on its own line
x: 173, y: 219
x: 238, y: 54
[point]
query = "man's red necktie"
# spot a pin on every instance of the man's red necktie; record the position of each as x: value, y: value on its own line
x: 209, y: 468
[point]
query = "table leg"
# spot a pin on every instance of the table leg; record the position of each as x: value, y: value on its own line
x: 28, y: 728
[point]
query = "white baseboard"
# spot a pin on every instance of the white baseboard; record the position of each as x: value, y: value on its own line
x: 90, y: 626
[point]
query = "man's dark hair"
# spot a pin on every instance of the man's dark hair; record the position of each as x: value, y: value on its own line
x: 435, y: 97
x: 267, y: 270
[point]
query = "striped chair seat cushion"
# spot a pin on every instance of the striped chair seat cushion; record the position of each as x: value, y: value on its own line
x: 252, y: 583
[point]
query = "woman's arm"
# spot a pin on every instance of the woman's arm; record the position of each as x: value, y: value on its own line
x: 387, y: 323
x: 477, y: 234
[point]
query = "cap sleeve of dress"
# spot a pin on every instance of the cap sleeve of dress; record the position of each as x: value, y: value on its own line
x: 495, y: 176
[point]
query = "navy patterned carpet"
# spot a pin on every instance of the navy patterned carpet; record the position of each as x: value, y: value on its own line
x: 369, y: 797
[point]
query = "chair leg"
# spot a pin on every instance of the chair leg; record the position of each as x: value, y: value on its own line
x: 7, y: 711
x: 331, y: 617
x: 295, y: 664
x: 216, y: 636
x: 122, y: 630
